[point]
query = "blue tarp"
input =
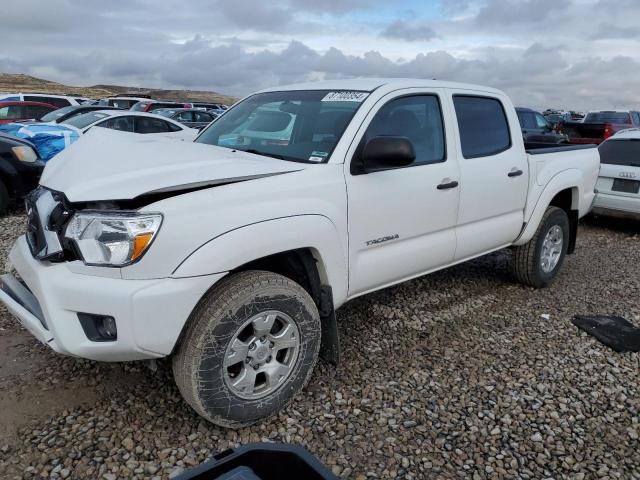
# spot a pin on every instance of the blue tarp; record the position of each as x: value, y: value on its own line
x: 48, y: 139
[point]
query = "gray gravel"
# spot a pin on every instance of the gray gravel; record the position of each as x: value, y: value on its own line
x: 461, y: 374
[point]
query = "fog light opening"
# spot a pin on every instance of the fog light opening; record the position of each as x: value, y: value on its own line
x: 99, y: 328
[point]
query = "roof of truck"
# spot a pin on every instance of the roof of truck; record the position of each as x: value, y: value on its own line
x: 371, y: 84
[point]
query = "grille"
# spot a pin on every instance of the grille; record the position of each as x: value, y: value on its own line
x: 42, y: 235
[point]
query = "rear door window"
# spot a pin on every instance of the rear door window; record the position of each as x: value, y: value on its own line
x: 124, y: 124
x: 624, y: 152
x: 483, y: 126
x: 185, y: 117
x: 151, y: 125
x: 202, y: 117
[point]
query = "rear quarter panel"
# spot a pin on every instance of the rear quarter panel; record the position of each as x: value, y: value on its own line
x: 552, y: 173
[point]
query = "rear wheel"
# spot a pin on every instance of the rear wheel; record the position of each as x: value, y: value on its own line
x: 537, y: 262
x: 4, y: 199
x: 250, y: 346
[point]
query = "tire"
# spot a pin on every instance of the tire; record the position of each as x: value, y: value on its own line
x: 224, y: 316
x: 528, y: 258
x: 4, y: 199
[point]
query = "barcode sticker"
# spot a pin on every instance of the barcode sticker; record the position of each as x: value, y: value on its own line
x: 345, y: 96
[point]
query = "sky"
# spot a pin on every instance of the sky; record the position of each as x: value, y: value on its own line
x: 573, y: 54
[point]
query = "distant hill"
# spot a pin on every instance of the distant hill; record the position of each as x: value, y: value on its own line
x: 17, y: 82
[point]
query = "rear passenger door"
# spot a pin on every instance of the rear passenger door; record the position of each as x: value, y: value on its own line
x: 493, y: 174
x: 402, y: 220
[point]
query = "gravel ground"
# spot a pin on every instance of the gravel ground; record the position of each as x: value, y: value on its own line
x: 455, y: 375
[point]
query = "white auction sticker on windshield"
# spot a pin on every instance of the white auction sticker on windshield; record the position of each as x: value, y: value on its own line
x: 345, y: 96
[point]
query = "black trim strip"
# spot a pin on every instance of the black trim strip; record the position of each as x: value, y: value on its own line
x: 564, y: 148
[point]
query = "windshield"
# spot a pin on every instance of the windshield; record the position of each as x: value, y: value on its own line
x: 84, y: 120
x: 301, y: 126
x: 51, y: 116
x: 608, y: 117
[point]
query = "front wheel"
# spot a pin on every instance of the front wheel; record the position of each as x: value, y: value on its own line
x: 250, y: 346
x: 537, y: 262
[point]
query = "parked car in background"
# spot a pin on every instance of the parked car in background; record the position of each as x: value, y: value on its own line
x: 597, y: 126
x: 134, y: 122
x: 51, y: 138
x: 576, y: 116
x: 536, y: 128
x: 125, y: 102
x: 555, y: 118
x: 57, y: 101
x: 20, y: 170
x: 64, y: 113
x: 232, y: 258
x: 209, y: 106
x: 618, y: 188
x: 219, y: 110
x: 187, y: 116
x: 15, y: 111
x: 152, y: 105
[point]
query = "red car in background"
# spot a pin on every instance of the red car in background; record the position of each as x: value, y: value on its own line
x: 597, y: 126
x: 14, y: 111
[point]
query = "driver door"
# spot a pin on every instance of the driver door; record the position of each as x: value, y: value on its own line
x: 402, y: 220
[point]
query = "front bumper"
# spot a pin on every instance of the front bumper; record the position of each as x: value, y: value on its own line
x: 47, y: 297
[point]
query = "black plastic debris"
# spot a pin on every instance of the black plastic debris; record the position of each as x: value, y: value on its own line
x: 615, y: 332
x: 261, y: 461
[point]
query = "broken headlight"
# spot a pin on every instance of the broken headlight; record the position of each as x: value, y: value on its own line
x: 113, y: 239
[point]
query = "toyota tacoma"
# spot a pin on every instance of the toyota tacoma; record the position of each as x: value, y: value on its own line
x: 232, y: 253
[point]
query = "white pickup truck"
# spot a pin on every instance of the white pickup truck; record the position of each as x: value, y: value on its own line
x: 231, y: 254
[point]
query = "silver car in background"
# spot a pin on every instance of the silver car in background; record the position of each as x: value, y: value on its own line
x: 618, y: 187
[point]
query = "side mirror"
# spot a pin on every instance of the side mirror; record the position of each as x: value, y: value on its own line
x: 385, y: 152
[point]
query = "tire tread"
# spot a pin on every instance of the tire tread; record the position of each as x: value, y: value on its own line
x: 217, y: 301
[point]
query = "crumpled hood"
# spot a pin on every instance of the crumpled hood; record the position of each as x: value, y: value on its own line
x: 110, y: 165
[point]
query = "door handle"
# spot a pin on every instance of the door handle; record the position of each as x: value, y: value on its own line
x: 515, y: 173
x: 447, y: 184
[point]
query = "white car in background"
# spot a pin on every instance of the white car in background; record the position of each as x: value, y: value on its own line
x: 122, y: 102
x: 55, y: 100
x: 134, y: 122
x: 618, y: 188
